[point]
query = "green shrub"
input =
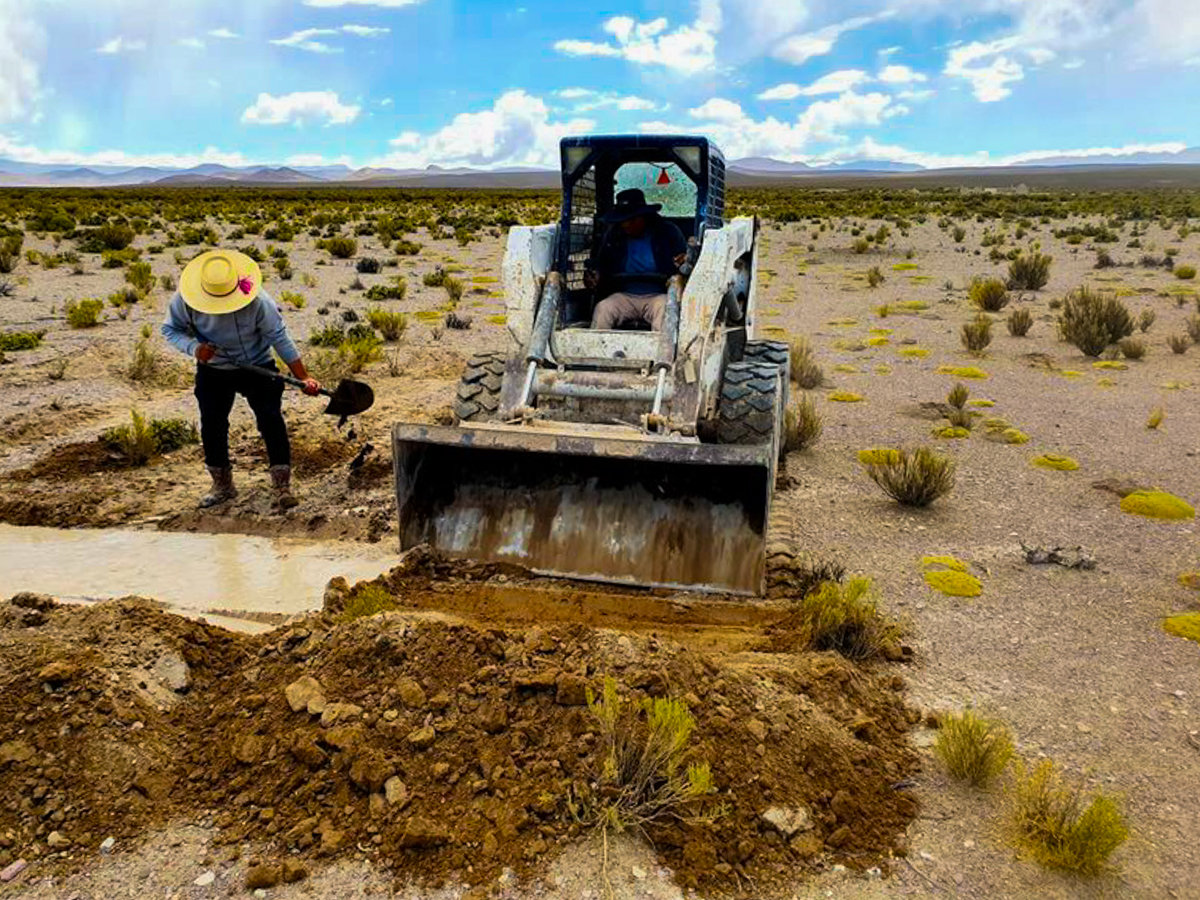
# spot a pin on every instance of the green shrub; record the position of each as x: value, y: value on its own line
x: 172, y: 434
x: 361, y: 351
x: 1146, y: 319
x: 368, y: 600
x: 127, y: 296
x: 20, y: 340
x: 368, y: 265
x: 142, y: 439
x: 1092, y: 321
x: 958, y: 396
x: 8, y: 262
x: 340, y: 247
x: 331, y: 335
x: 390, y: 324
x: 977, y: 334
x: 140, y: 276
x: 844, y: 618
x: 1192, y: 326
x: 293, y: 299
x: 378, y: 292
x: 84, y: 313
x: 874, y: 277
x: 989, y: 294
x: 1019, y: 322
x: 116, y: 259
x: 406, y: 248
x: 973, y: 748
x: 167, y: 282
x: 1029, y: 271
x: 647, y: 768
x: 106, y: 237
x: 862, y: 245
x: 454, y: 288
x: 1186, y: 273
x: 915, y: 479
x: 958, y: 234
x: 436, y: 278
x: 1059, y: 827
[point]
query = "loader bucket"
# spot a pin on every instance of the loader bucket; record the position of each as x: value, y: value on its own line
x: 629, y: 510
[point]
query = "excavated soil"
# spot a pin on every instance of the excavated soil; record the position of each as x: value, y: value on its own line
x: 442, y: 746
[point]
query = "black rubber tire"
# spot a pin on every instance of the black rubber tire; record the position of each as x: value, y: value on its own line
x: 479, y: 389
x: 747, y: 413
x: 777, y: 353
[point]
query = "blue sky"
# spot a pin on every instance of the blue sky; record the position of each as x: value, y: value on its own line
x: 406, y: 83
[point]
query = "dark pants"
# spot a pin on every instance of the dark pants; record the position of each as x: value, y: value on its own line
x: 215, y: 392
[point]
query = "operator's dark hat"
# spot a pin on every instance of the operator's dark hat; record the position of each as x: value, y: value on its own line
x: 630, y: 204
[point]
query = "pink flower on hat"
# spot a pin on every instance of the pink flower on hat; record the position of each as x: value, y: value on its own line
x: 245, y: 284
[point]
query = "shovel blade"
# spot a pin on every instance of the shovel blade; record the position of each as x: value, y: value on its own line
x: 350, y: 399
x: 628, y: 511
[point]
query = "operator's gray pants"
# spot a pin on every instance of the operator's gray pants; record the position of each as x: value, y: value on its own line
x: 622, y: 310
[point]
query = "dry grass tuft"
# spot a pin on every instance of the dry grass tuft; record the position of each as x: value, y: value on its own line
x: 806, y: 372
x: 1019, y: 322
x: 1132, y: 348
x: 1059, y: 827
x: 846, y: 618
x: 989, y: 294
x: 917, y: 478
x: 974, y: 748
x: 1092, y: 321
x: 802, y: 425
x: 1179, y: 343
x: 977, y: 334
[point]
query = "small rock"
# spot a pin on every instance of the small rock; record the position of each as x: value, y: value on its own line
x: 264, y: 876
x: 344, y: 737
x: 247, y: 749
x: 303, y: 693
x: 30, y: 600
x: 840, y: 837
x: 788, y: 821
x: 293, y: 870
x: 205, y: 879
x: 15, y: 752
x: 58, y: 841
x: 842, y: 806
x: 370, y: 770
x: 807, y: 845
x: 412, y: 695
x: 493, y: 718
x: 572, y: 690
x: 305, y: 749
x: 9, y: 872
x: 422, y: 738
x: 757, y: 729
x: 639, y: 873
x: 171, y: 670
x: 339, y: 712
x: 57, y: 672
x: 331, y: 841
x: 395, y: 791
x: 423, y: 833
x: 491, y: 846
x: 106, y: 845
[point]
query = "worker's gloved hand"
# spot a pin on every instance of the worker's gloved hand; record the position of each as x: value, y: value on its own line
x: 206, y: 352
x: 312, y: 387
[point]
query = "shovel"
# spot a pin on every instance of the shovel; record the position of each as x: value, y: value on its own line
x: 349, y: 399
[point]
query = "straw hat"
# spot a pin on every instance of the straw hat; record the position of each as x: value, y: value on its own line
x: 220, y: 281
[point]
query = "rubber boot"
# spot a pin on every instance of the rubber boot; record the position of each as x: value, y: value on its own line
x: 223, y: 488
x: 281, y: 477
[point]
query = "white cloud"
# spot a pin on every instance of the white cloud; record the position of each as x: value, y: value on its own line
x: 516, y: 131
x: 1078, y: 63
x: 388, y: 4
x: 223, y: 34
x: 897, y: 74
x: 386, y: 101
x: 799, y: 48
x: 316, y: 159
x: 366, y: 31
x: 822, y: 122
x: 589, y: 100
x: 830, y: 83
x: 193, y: 43
x: 303, y: 39
x: 10, y: 149
x: 989, y: 81
x: 299, y: 108
x: 868, y: 148
x: 786, y: 91
x: 120, y: 45
x: 21, y: 44
x: 688, y: 49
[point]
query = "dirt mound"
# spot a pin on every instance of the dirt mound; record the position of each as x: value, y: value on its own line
x: 440, y: 749
x: 72, y: 461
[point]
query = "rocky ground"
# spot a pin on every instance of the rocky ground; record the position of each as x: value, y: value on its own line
x: 1074, y: 660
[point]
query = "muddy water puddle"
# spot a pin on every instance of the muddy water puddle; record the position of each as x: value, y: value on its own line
x: 195, y: 574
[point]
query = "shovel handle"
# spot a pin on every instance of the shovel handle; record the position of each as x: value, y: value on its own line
x: 286, y: 379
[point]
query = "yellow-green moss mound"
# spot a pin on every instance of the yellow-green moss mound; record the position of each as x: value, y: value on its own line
x: 1157, y: 505
x: 877, y: 342
x: 1113, y: 364
x: 879, y: 456
x: 1190, y: 580
x: 1184, y: 625
x: 985, y: 404
x: 950, y: 576
x: 945, y: 562
x: 963, y: 371
x: 952, y: 432
x: 1013, y: 436
x: 1056, y: 461
x: 914, y: 352
x: 845, y: 397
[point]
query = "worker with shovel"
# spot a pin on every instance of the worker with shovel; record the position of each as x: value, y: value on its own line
x: 223, y: 318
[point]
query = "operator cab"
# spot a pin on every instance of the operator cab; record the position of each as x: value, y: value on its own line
x: 685, y: 174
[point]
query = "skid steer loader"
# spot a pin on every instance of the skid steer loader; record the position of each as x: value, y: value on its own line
x: 629, y: 456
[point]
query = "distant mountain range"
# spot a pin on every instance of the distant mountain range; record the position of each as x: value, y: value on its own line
x: 751, y: 170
